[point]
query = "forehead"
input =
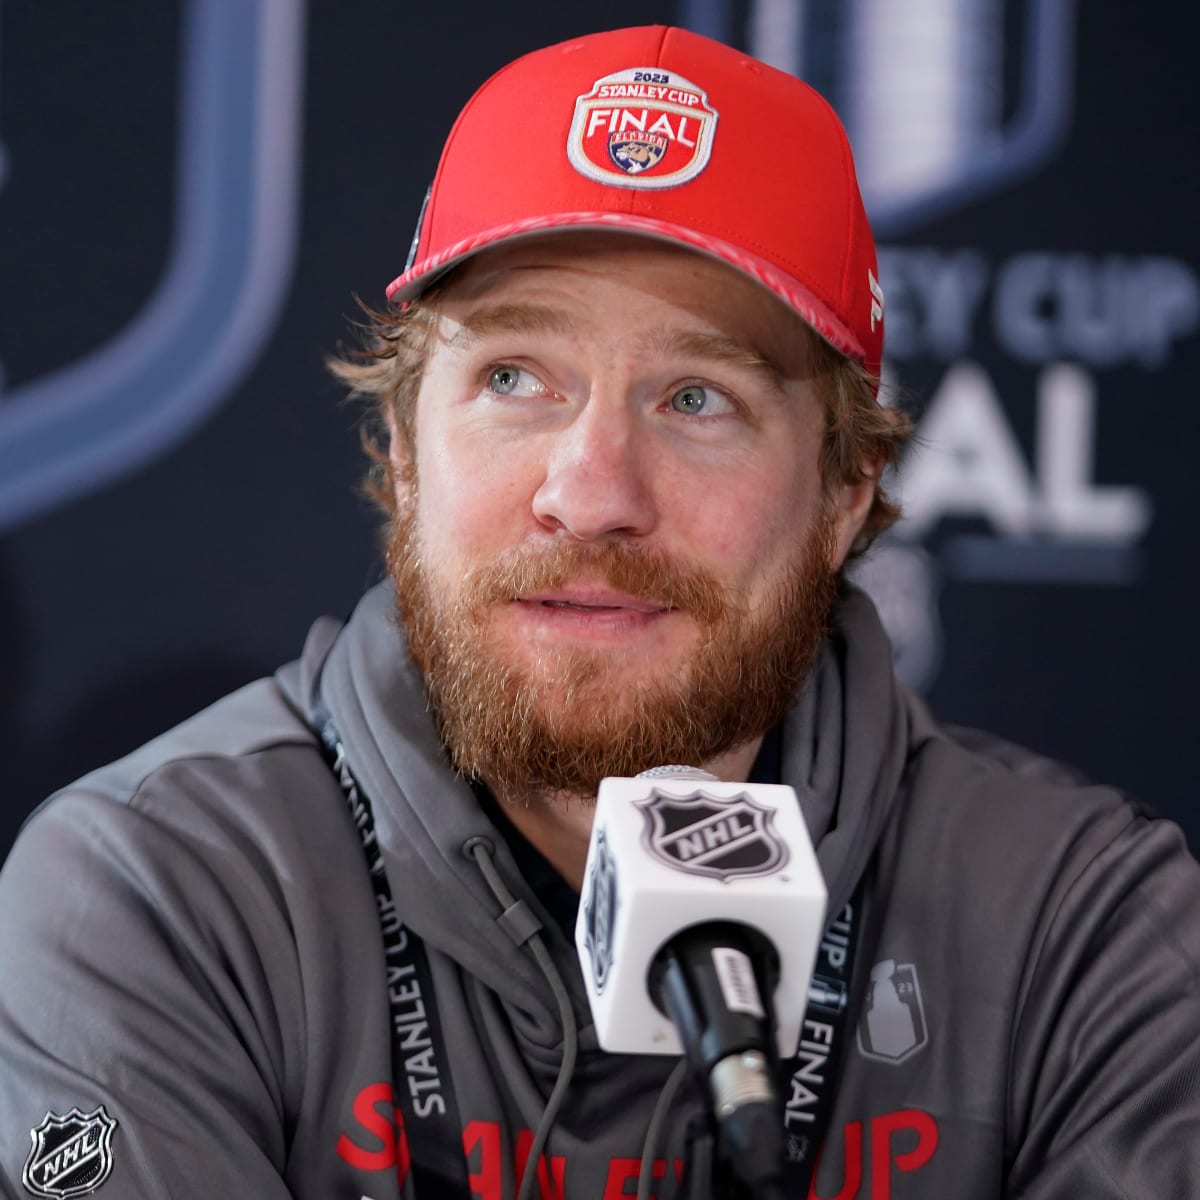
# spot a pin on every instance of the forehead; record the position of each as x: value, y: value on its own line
x: 576, y: 271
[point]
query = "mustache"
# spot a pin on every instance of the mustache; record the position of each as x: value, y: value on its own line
x: 644, y: 574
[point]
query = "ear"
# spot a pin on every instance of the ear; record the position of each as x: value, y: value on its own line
x: 401, y: 460
x: 851, y: 504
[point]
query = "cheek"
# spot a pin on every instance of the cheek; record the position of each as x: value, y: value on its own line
x: 760, y: 520
x: 470, y: 501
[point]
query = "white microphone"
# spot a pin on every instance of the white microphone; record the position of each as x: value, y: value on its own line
x: 668, y: 853
x: 699, y: 921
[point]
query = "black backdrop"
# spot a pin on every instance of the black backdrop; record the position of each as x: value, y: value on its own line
x: 191, y: 193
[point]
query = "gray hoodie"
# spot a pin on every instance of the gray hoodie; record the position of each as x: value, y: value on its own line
x: 191, y: 962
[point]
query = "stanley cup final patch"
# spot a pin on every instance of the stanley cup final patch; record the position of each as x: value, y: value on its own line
x: 71, y: 1155
x: 642, y: 128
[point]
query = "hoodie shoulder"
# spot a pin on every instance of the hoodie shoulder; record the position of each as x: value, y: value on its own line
x: 175, y: 933
x: 256, y: 717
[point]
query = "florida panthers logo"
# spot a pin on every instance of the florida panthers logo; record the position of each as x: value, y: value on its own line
x: 637, y: 153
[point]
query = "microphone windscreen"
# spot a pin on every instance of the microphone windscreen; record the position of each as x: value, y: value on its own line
x: 675, y: 771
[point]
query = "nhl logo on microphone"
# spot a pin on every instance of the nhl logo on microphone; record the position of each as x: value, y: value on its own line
x: 706, y: 835
x: 600, y: 911
x: 668, y: 853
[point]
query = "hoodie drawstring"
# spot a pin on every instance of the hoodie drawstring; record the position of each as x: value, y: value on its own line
x: 524, y: 929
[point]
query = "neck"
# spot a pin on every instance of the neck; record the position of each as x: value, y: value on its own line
x: 559, y: 825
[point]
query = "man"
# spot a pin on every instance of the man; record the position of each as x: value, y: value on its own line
x: 629, y: 438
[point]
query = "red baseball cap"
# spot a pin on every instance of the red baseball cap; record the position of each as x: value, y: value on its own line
x: 666, y: 134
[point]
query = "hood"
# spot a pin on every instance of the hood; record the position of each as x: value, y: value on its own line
x: 846, y: 743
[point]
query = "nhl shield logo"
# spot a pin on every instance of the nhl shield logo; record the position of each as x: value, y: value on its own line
x: 706, y: 835
x: 71, y: 1155
x: 642, y: 128
x: 600, y: 911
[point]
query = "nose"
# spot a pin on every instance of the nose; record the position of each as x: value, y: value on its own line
x: 598, y: 482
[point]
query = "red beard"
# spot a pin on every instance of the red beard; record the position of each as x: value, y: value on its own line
x: 559, y: 725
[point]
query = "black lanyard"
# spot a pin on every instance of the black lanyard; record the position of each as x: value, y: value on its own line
x: 433, y: 1134
x: 431, y: 1145
x: 808, y: 1081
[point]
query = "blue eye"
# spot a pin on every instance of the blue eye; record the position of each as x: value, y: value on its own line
x: 504, y: 380
x: 515, y: 382
x: 702, y: 400
x: 691, y: 399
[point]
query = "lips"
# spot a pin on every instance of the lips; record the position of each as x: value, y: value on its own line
x: 593, y: 600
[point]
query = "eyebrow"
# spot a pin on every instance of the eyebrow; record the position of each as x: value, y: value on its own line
x: 511, y: 318
x: 718, y: 348
x: 542, y: 318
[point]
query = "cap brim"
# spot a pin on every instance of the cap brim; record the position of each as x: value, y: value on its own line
x: 790, y: 290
